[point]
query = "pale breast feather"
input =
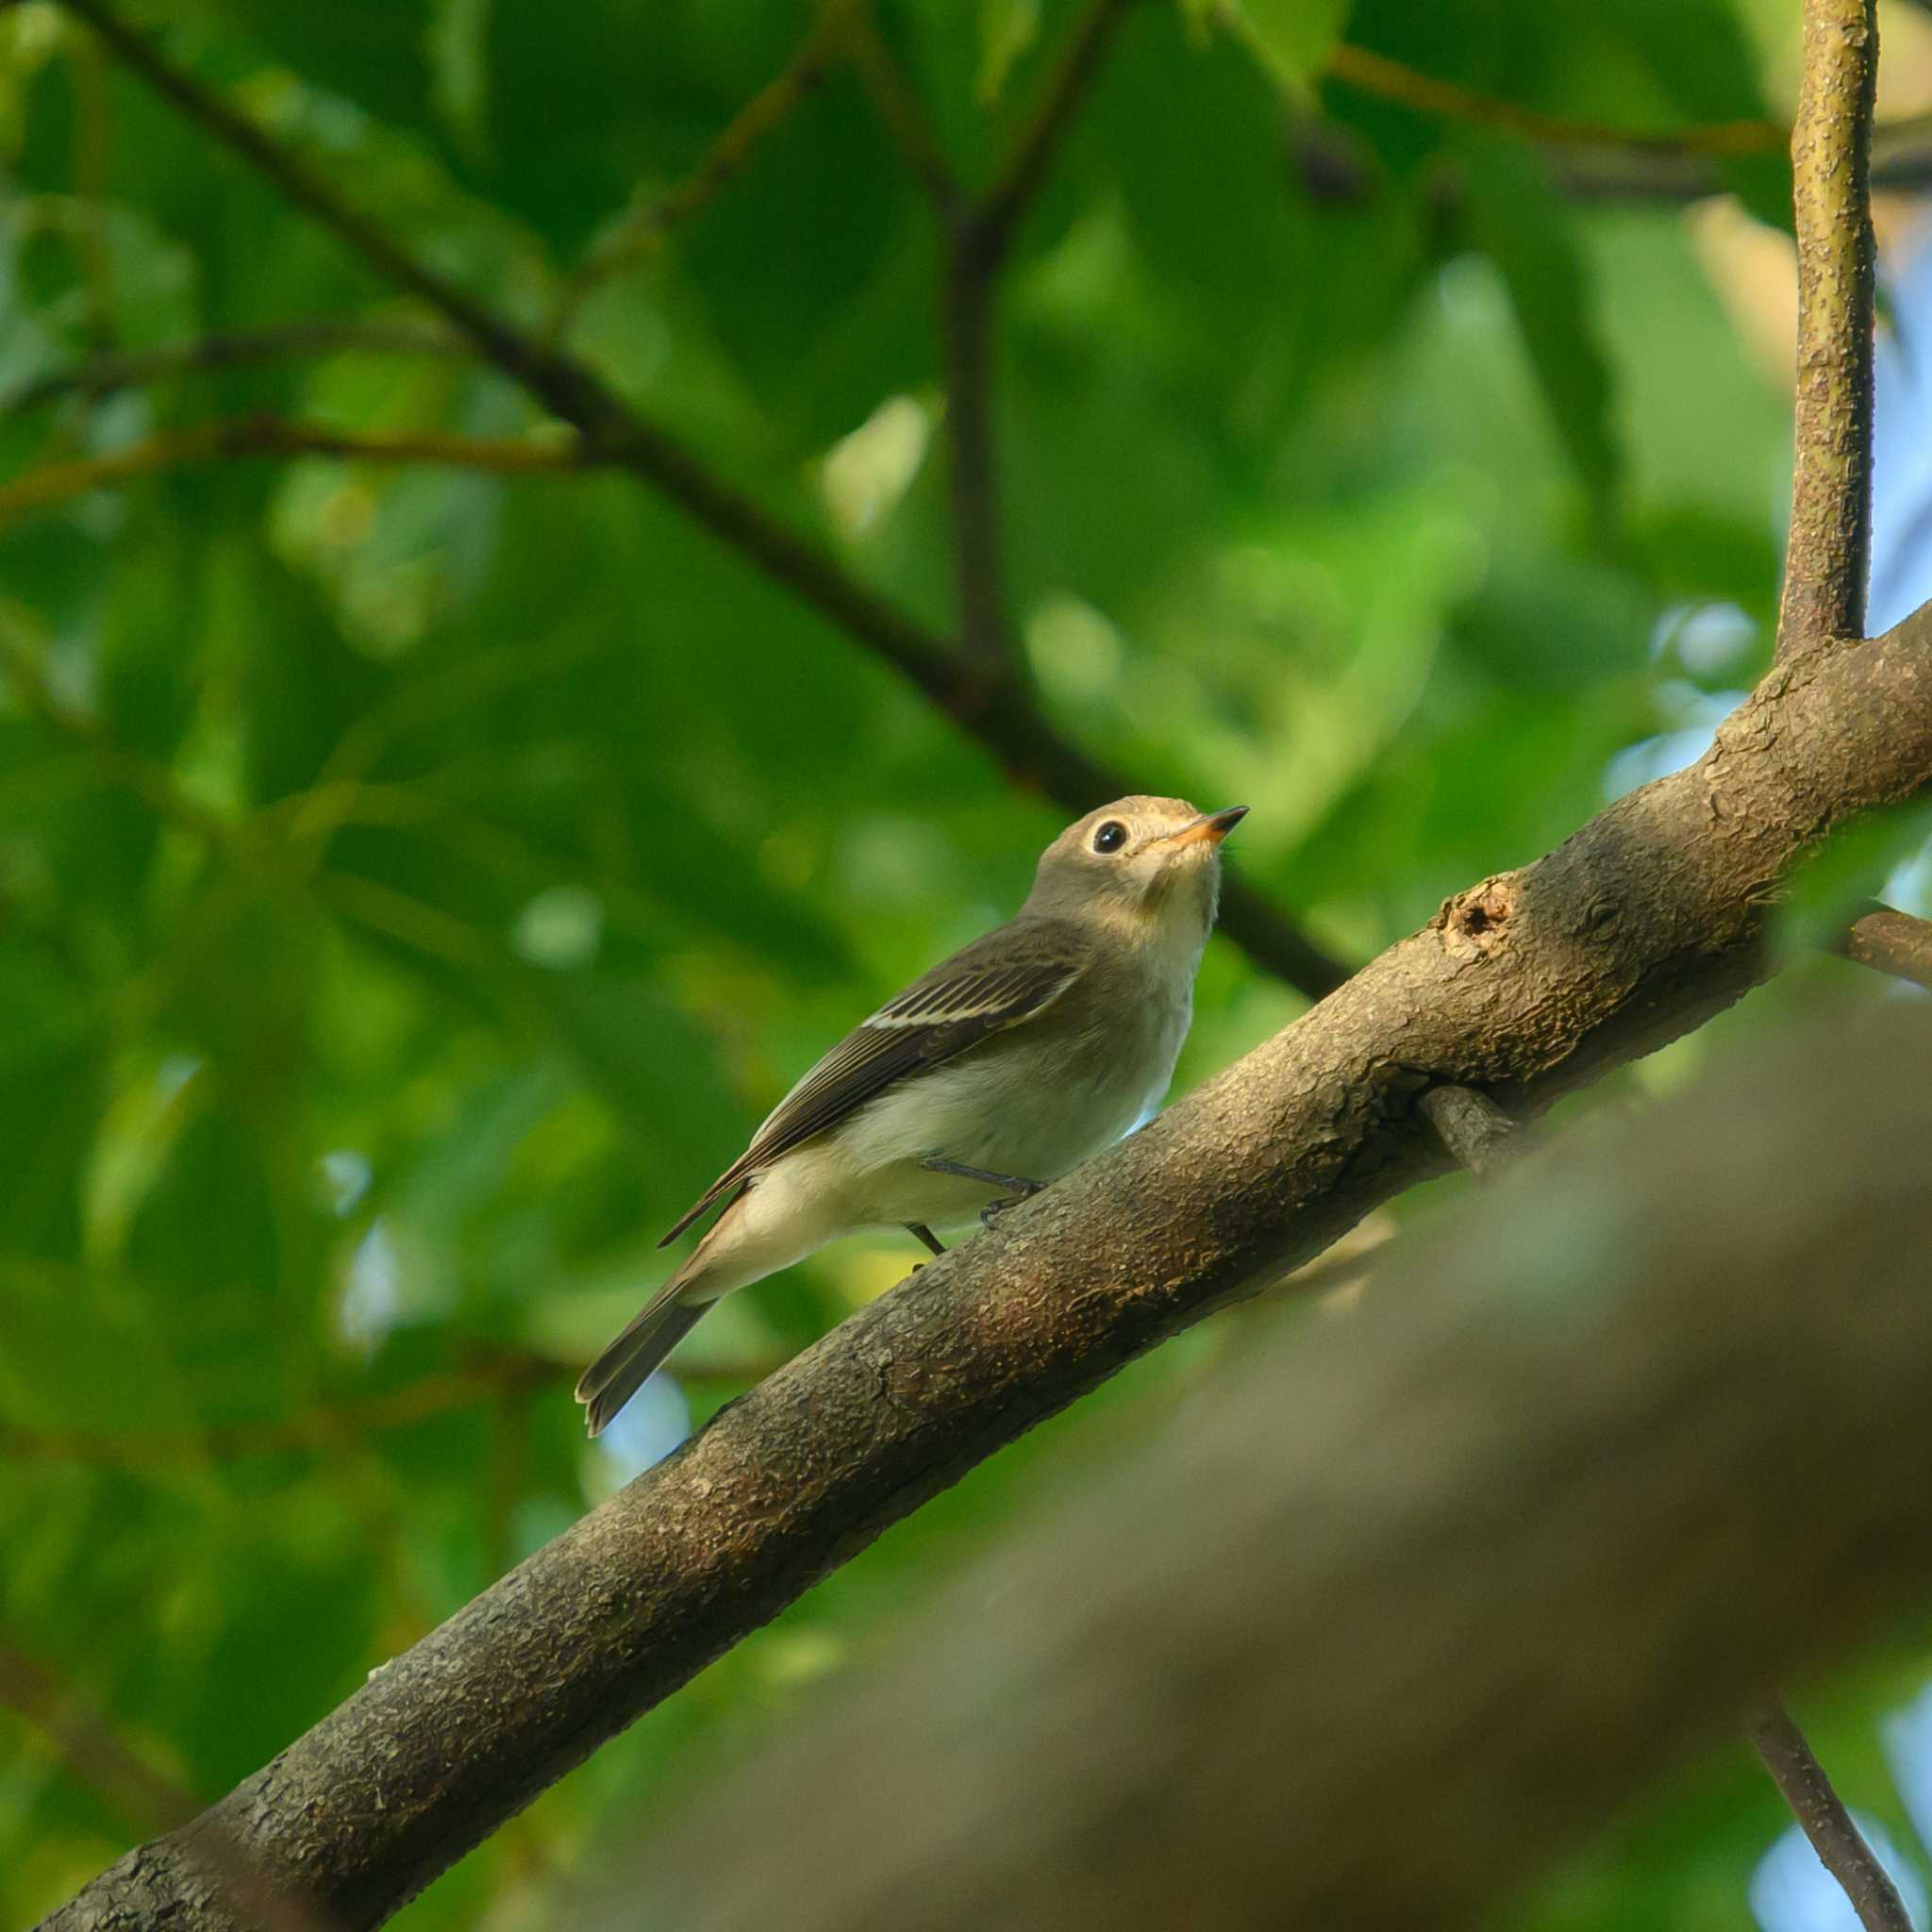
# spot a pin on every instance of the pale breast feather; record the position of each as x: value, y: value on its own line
x: 999, y: 981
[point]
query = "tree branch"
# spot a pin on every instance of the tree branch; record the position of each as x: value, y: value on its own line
x: 1477, y: 1132
x: 979, y: 236
x: 1837, y: 1840
x: 1000, y: 715
x: 1892, y: 943
x: 1531, y: 983
x: 1405, y: 1604
x: 637, y: 235
x: 1392, y: 80
x: 1829, y: 554
x: 1473, y: 1130
x: 328, y: 335
x: 246, y: 437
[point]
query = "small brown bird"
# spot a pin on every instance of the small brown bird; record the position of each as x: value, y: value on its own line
x: 1020, y: 1057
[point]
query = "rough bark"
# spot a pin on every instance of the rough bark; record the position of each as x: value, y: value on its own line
x: 1397, y: 1610
x: 1829, y: 554
x: 1631, y: 932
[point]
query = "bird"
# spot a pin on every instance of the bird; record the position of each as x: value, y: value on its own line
x: 1026, y: 1053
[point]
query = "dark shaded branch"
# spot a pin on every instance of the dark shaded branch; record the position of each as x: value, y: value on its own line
x: 1004, y: 204
x: 1892, y: 943
x: 245, y: 437
x: 1841, y: 1847
x: 899, y: 109
x: 1409, y: 1603
x: 1829, y: 553
x: 978, y: 237
x: 998, y: 714
x: 1633, y: 931
x: 1477, y: 1133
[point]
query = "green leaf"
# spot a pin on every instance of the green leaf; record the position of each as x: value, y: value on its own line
x: 1293, y: 38
x: 1007, y: 29
x: 1520, y: 224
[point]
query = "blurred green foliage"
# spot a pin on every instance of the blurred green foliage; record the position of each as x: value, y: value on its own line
x: 415, y: 881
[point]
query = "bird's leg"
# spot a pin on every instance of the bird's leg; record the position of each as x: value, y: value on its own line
x: 924, y: 1236
x: 1016, y: 1188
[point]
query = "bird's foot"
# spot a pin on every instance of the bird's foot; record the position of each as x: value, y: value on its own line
x: 1015, y: 1187
x: 925, y: 1238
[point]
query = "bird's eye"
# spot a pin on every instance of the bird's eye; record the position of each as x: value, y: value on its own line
x: 1110, y: 837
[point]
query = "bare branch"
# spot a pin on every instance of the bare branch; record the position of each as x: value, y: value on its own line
x: 1829, y: 553
x: 1634, y: 930
x: 639, y: 233
x: 1474, y: 1130
x: 1892, y: 943
x: 978, y: 237
x: 899, y: 109
x: 998, y: 714
x: 1390, y: 80
x: 1004, y: 204
x: 1840, y: 1847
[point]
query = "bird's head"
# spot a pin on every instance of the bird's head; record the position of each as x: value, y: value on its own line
x: 1146, y: 862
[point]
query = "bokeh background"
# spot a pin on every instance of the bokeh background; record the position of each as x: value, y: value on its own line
x: 416, y: 880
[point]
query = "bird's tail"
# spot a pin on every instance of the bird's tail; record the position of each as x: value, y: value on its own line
x: 620, y: 1371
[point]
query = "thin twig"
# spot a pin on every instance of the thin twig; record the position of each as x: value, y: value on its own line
x: 899, y: 109
x: 1825, y: 1820
x: 1392, y: 80
x: 93, y: 1752
x: 1893, y: 942
x: 978, y: 237
x: 1828, y: 559
x: 241, y: 438
x: 638, y: 234
x: 998, y: 714
x: 244, y: 348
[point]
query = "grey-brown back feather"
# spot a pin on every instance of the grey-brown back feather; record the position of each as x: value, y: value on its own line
x: 623, y: 1367
x: 1002, y: 978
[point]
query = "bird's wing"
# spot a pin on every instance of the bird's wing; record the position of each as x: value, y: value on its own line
x: 982, y: 989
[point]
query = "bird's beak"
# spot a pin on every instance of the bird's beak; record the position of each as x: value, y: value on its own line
x: 1213, y: 826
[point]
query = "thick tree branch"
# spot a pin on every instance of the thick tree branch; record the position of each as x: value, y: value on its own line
x: 1828, y: 557
x: 1405, y: 1604
x: 1477, y: 1133
x: 245, y: 437
x: 1634, y: 930
x: 1820, y: 1813
x: 997, y: 712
